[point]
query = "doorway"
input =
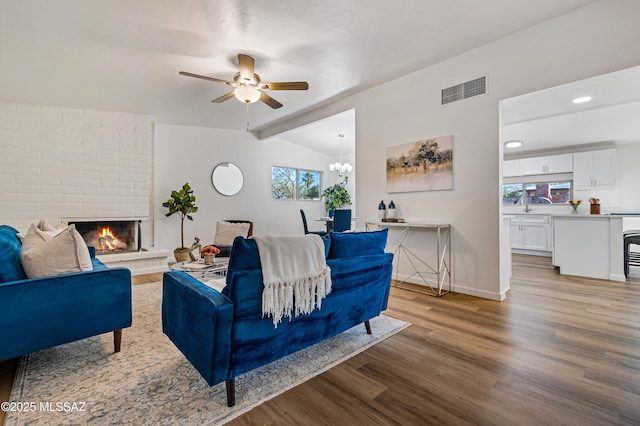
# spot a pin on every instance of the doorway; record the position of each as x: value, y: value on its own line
x: 549, y: 125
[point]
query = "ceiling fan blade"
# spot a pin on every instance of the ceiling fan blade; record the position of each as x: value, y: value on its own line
x: 285, y: 85
x: 269, y: 101
x: 216, y: 80
x: 223, y: 98
x: 247, y: 66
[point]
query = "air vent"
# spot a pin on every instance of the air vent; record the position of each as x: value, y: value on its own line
x: 464, y: 90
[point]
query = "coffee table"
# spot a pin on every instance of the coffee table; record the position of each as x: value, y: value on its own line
x: 213, y: 275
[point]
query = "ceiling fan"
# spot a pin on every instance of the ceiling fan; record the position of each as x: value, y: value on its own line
x: 247, y: 85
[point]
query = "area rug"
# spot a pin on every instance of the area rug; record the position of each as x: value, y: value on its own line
x: 151, y: 382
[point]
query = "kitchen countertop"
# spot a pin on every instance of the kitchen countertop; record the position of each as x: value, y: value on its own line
x: 595, y: 216
x: 586, y: 215
x: 630, y: 214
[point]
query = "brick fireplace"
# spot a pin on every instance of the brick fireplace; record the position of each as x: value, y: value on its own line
x: 77, y: 164
x: 119, y: 243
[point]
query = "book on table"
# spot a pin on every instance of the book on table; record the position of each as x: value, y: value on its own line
x: 199, y: 264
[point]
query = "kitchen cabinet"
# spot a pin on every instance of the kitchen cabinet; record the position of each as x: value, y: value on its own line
x: 531, y: 233
x: 594, y: 169
x: 562, y: 163
x: 511, y: 168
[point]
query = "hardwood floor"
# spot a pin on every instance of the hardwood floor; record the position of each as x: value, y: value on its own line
x: 146, y: 279
x: 558, y: 350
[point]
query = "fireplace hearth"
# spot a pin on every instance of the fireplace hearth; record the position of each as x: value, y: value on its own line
x: 110, y: 236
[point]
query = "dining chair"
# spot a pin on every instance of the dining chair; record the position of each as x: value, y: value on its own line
x: 341, y: 220
x: 306, y: 228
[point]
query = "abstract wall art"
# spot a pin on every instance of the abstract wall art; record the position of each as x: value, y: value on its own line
x: 424, y: 165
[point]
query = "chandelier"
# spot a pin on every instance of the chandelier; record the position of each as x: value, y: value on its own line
x: 340, y: 168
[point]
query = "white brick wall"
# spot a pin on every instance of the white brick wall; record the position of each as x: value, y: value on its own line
x: 69, y: 162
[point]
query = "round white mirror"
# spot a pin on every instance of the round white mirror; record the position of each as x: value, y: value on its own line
x: 227, y: 179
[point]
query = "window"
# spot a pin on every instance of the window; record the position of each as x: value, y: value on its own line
x: 308, y: 185
x: 294, y: 184
x: 536, y: 193
x: 511, y: 193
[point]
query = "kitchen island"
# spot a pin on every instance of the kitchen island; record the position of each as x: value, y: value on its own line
x: 589, y: 245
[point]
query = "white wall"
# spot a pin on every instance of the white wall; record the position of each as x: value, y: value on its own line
x: 593, y: 40
x: 332, y: 178
x: 73, y: 163
x: 189, y: 154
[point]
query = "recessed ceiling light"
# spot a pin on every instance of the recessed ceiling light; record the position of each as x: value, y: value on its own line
x: 513, y: 144
x: 582, y: 99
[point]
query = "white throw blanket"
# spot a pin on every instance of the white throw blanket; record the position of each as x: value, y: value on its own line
x: 293, y: 268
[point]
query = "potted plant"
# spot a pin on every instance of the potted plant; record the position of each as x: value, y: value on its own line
x: 181, y: 202
x: 336, y: 196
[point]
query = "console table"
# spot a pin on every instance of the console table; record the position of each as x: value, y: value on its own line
x: 442, y: 271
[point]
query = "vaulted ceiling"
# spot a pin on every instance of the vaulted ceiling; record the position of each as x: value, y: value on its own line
x: 125, y: 55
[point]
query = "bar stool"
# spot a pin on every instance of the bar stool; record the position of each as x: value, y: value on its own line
x: 631, y: 258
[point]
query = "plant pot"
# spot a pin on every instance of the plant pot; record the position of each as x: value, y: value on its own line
x: 595, y: 208
x: 181, y: 254
x: 209, y: 259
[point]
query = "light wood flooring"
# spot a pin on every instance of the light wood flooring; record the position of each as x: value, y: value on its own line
x: 558, y: 350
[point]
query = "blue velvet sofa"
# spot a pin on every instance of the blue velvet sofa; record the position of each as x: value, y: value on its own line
x: 224, y: 334
x: 40, y: 313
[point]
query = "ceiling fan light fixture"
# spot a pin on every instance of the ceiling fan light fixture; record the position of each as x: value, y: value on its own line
x: 247, y: 94
x: 247, y: 86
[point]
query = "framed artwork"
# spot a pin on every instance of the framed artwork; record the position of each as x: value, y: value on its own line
x: 425, y: 165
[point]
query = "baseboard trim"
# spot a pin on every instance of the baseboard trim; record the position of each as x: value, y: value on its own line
x: 454, y: 288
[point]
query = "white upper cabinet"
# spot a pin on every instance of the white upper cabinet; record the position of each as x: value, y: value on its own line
x: 511, y: 168
x: 594, y: 169
x: 559, y: 163
x: 532, y: 166
x: 562, y: 163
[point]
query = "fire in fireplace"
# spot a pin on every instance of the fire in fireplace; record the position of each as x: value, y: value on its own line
x: 107, y: 241
x: 110, y: 236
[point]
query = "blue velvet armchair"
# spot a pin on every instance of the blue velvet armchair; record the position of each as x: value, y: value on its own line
x: 40, y: 313
x: 224, y: 335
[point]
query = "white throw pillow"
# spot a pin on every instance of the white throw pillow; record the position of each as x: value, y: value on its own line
x: 50, y: 229
x: 44, y: 255
x: 43, y: 225
x: 226, y: 232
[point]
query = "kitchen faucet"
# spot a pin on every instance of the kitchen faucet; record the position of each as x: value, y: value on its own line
x: 527, y: 207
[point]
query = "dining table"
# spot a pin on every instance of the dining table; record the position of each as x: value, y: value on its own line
x: 328, y: 222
